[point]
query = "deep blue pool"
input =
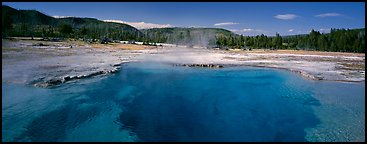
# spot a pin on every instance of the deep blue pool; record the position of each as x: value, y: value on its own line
x: 158, y: 102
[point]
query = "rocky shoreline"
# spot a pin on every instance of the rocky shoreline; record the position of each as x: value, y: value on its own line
x: 23, y: 62
x: 200, y: 65
x: 60, y: 80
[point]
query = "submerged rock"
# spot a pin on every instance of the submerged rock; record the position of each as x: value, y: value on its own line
x: 200, y: 65
x: 57, y: 81
x: 40, y: 44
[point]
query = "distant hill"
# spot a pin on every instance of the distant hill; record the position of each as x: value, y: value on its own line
x: 34, y: 23
x: 26, y: 16
x: 188, y: 36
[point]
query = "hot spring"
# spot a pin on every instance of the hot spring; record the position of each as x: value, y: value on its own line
x: 160, y: 102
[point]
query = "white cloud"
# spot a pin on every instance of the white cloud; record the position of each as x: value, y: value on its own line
x: 225, y: 23
x: 328, y: 15
x: 249, y: 31
x: 290, y: 30
x: 141, y: 25
x: 56, y: 16
x: 286, y: 16
x: 196, y: 27
x: 61, y: 16
x: 303, y: 32
x: 324, y: 30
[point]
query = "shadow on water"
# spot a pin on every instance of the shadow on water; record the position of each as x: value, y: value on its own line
x: 185, y: 104
x: 53, y: 126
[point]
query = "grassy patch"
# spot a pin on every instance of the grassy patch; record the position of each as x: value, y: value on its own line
x: 123, y: 46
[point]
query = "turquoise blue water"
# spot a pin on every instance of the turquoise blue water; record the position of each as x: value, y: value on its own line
x: 158, y: 102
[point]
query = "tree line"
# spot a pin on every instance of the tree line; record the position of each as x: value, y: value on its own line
x: 70, y: 30
x: 338, y: 40
x: 185, y: 36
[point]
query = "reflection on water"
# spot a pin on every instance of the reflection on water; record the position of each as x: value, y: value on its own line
x: 156, y: 102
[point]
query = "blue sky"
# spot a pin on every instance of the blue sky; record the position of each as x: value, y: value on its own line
x: 248, y: 18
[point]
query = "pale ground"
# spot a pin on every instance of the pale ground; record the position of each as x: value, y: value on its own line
x: 25, y: 61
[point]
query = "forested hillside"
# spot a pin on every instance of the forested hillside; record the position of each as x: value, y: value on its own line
x: 33, y: 23
x: 338, y: 40
x: 186, y: 36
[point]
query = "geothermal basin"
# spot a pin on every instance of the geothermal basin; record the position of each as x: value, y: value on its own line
x: 161, y: 102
